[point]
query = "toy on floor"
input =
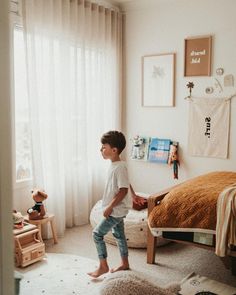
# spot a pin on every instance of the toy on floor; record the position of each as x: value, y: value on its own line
x: 173, y: 158
x: 18, y: 219
x: 38, y: 210
x: 205, y: 293
x: 129, y: 283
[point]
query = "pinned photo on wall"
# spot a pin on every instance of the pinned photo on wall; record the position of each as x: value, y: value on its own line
x: 229, y: 80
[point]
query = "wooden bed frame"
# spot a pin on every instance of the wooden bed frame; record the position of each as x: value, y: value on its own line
x: 151, y: 240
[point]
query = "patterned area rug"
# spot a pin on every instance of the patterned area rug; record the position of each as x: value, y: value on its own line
x: 65, y: 274
x: 60, y: 274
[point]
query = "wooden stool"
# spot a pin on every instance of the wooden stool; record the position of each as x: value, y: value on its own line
x: 47, y: 218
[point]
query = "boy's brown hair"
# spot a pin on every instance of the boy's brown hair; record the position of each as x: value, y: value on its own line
x: 115, y: 139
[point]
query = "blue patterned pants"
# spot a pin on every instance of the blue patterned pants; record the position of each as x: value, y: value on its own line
x: 116, y: 225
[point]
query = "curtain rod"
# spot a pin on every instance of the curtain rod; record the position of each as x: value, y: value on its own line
x: 99, y: 3
x: 14, y: 6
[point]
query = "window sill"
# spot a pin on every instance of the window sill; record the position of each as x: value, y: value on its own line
x: 23, y: 183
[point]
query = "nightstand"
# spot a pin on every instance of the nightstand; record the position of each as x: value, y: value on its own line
x: 29, y: 246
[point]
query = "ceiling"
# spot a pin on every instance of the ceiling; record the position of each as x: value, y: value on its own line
x: 123, y: 1
x: 120, y: 1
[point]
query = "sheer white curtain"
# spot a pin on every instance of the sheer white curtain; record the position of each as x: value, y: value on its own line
x: 73, y: 51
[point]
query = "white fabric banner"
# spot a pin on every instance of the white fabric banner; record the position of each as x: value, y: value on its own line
x: 209, y: 127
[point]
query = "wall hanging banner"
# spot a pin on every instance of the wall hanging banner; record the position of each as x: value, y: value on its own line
x: 209, y: 127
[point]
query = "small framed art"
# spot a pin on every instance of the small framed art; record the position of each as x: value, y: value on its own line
x: 197, y: 56
x: 158, y: 80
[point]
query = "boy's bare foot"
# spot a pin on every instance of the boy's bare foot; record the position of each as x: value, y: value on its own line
x: 103, y: 268
x: 98, y: 272
x: 121, y: 267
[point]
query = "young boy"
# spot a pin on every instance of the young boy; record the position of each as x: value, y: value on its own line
x: 115, y: 202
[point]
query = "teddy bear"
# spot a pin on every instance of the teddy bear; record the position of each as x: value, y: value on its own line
x: 38, y: 210
x: 173, y: 158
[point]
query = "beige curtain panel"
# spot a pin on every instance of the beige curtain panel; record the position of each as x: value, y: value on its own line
x: 73, y: 52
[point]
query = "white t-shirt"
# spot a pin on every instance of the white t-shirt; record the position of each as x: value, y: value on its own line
x: 117, y: 178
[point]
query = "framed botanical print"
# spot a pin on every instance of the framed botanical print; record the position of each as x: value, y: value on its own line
x: 158, y: 80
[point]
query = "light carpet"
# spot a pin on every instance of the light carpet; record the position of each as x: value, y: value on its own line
x: 60, y: 274
x: 65, y: 274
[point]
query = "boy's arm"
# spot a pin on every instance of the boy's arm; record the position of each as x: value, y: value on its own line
x: 132, y: 190
x: 115, y: 201
x: 137, y: 199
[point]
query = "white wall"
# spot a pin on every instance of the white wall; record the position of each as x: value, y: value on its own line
x: 160, y: 26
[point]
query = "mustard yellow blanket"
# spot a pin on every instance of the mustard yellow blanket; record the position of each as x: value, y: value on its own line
x: 191, y: 205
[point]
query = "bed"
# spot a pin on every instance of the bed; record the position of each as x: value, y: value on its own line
x: 193, y: 212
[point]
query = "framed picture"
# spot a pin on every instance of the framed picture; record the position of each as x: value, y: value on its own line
x: 158, y: 80
x: 197, y: 56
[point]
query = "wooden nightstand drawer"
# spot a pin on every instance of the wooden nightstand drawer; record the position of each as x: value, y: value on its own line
x: 29, y: 247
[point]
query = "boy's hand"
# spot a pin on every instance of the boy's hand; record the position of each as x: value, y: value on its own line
x: 139, y: 200
x: 107, y: 211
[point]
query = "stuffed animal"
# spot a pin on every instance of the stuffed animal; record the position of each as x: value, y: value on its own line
x: 173, y: 158
x: 18, y: 219
x: 137, y: 152
x: 38, y: 210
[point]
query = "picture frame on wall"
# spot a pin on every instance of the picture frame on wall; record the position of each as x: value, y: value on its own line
x: 197, y: 56
x: 158, y: 80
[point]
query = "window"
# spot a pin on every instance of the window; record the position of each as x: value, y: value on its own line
x: 22, y: 127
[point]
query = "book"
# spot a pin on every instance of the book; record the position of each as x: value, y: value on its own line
x: 159, y: 150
